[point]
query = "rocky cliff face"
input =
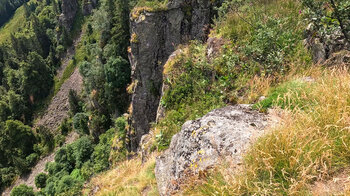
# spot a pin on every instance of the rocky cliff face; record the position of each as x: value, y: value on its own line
x: 69, y: 11
x: 223, y: 134
x: 154, y: 36
x: 322, y: 48
x: 88, y: 6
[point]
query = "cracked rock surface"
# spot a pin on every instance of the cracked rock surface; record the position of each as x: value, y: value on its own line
x: 224, y: 133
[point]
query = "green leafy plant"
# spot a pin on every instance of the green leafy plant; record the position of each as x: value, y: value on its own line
x: 40, y: 180
x: 329, y: 16
x: 22, y: 190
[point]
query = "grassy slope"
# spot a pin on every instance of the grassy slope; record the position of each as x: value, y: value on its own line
x: 13, y: 25
x: 131, y: 177
x: 311, y: 144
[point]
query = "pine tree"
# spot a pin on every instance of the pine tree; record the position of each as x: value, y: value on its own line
x: 41, y: 36
x: 121, y: 30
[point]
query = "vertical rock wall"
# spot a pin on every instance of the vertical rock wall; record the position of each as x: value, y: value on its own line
x: 69, y: 11
x: 154, y: 36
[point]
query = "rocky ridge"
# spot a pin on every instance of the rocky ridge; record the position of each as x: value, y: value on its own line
x: 69, y: 11
x: 154, y: 37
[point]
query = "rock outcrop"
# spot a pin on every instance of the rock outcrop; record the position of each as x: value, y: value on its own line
x: 69, y: 11
x: 88, y: 6
x: 221, y: 134
x: 154, y: 36
x: 322, y: 48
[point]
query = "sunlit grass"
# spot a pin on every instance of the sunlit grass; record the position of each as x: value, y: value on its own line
x: 13, y: 25
x: 131, y: 177
x: 311, y: 143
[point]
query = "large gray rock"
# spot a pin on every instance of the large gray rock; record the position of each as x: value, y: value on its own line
x: 69, y: 11
x: 155, y: 36
x: 221, y: 134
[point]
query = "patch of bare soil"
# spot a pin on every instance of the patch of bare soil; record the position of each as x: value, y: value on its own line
x: 337, y: 185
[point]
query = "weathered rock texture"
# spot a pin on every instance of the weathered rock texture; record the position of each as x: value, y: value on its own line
x: 221, y: 134
x: 341, y: 58
x: 155, y: 35
x: 69, y: 11
x: 88, y: 6
x: 322, y: 48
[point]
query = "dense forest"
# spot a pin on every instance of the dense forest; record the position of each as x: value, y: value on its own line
x: 28, y: 63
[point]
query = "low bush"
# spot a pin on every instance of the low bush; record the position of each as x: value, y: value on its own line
x: 22, y: 190
x: 80, y: 123
x: 40, y: 180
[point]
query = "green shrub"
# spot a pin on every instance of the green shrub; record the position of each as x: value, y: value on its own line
x: 65, y: 158
x: 82, y: 150
x: 22, y: 190
x: 74, y: 102
x: 59, y: 140
x: 65, y: 127
x: 7, y: 176
x: 120, y: 142
x: 87, y: 170
x: 271, y: 42
x: 80, y: 123
x: 40, y: 180
x: 46, y: 142
x: 76, y: 174
x: 32, y: 159
x: 66, y: 184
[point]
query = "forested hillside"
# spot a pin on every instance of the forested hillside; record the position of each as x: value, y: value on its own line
x: 174, y: 97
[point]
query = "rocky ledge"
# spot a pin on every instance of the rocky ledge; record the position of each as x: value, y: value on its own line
x: 223, y: 134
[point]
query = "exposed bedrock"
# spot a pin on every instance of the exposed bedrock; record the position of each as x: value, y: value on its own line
x: 154, y: 37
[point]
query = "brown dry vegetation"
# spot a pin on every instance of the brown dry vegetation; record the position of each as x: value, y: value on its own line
x: 131, y: 177
x: 311, y: 145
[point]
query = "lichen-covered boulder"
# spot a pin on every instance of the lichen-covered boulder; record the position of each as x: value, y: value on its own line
x: 223, y: 134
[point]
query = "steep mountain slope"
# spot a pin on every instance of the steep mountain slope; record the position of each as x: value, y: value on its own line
x: 56, y: 112
x: 178, y: 97
x: 58, y: 108
x: 256, y: 54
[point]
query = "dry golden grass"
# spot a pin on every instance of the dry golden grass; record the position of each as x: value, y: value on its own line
x: 257, y: 86
x: 311, y: 145
x: 129, y: 178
